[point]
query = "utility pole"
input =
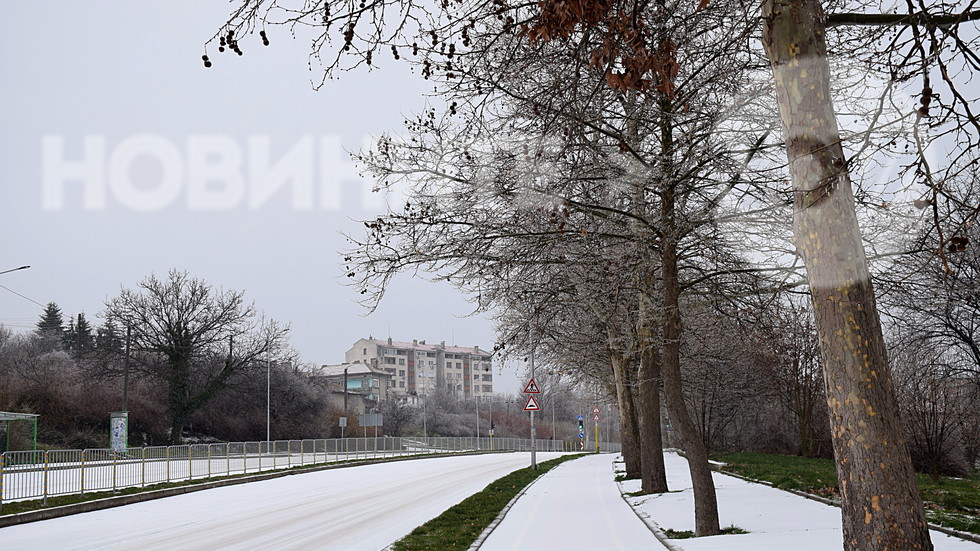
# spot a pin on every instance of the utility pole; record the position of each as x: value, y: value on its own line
x: 129, y: 335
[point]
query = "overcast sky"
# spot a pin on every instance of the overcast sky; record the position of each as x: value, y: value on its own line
x: 121, y: 155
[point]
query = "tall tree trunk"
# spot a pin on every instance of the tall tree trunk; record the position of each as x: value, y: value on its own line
x: 691, y: 441
x: 705, y: 501
x: 177, y: 395
x: 653, y: 474
x: 629, y: 433
x: 881, y: 507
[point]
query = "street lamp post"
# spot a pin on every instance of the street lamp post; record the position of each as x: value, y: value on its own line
x: 15, y: 269
x: 268, y: 402
x: 477, y: 398
x: 425, y: 431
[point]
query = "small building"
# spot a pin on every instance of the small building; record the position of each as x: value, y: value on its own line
x: 360, y: 378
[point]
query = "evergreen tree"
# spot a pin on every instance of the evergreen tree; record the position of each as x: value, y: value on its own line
x: 78, y: 337
x: 84, y: 339
x: 51, y: 320
x: 108, y: 339
x: 69, y: 336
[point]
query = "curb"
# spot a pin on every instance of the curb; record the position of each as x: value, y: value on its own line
x: 118, y: 501
x: 500, y: 517
x: 650, y: 524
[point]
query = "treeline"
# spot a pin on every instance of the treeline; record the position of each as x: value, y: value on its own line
x: 74, y: 375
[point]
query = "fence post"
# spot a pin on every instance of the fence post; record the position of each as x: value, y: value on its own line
x: 3, y: 465
x: 168, y: 463
x: 45, y: 490
x: 115, y: 458
x: 83, y: 472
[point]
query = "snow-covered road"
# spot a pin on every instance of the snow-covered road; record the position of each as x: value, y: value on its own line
x: 354, y: 508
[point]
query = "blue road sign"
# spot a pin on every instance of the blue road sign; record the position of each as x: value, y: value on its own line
x: 581, y: 435
x: 580, y: 417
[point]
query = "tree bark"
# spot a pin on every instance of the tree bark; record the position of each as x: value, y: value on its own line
x: 881, y: 507
x: 627, y: 415
x: 653, y: 474
x: 705, y: 501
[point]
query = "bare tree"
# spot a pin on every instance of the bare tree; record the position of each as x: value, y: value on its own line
x: 193, y: 337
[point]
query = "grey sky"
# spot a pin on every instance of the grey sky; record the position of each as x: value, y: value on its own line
x: 118, y: 72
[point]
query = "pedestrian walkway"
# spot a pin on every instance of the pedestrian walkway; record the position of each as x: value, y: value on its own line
x: 578, y: 507
x: 574, y: 506
x: 775, y: 520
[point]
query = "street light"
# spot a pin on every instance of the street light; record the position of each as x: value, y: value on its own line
x: 14, y: 269
x: 268, y: 403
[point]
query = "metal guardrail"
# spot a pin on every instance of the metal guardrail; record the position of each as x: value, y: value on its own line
x: 42, y: 474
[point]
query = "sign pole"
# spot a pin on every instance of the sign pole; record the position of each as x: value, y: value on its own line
x: 532, y: 405
x: 595, y: 417
x: 534, y: 459
x: 597, y: 437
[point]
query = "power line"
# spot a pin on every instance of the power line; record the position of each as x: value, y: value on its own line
x: 22, y: 296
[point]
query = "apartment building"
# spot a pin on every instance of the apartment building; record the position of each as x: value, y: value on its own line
x: 418, y: 367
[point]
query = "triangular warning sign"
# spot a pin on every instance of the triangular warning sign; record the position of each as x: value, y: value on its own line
x: 594, y: 410
x: 532, y: 388
x: 595, y: 417
x: 532, y: 404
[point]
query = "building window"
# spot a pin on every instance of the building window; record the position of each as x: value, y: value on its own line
x: 487, y: 388
x: 401, y: 384
x: 488, y: 377
x: 389, y: 360
x: 401, y: 361
x: 364, y: 351
x: 401, y: 372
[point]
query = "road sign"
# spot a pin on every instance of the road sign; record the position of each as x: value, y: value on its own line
x: 581, y: 445
x: 580, y: 418
x: 595, y: 417
x: 532, y: 404
x: 532, y: 388
x: 594, y: 410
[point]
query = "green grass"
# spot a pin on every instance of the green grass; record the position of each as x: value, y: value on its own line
x: 950, y: 502
x: 686, y: 534
x: 458, y: 527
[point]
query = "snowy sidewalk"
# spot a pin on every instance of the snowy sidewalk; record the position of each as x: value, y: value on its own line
x: 776, y: 520
x: 575, y: 506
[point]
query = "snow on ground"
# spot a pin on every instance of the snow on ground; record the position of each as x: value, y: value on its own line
x: 776, y: 520
x: 348, y: 509
x: 575, y: 506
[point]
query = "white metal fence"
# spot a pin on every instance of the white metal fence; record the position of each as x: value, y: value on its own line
x: 42, y: 474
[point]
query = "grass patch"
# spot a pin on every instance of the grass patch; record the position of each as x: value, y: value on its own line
x: 686, y: 534
x: 678, y: 534
x: 459, y: 526
x: 950, y: 502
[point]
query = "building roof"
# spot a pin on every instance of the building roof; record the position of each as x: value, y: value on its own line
x: 353, y: 369
x: 422, y: 345
x: 11, y: 416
